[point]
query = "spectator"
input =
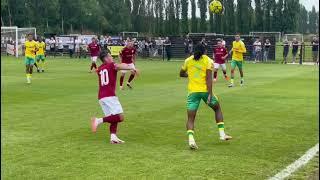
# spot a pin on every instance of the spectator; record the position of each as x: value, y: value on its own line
x: 83, y: 48
x: 315, y: 50
x: 285, y: 51
x: 60, y: 46
x: 267, y: 45
x: 77, y: 46
x: 257, y: 50
x: 52, y: 44
x: 205, y: 44
x: 295, y: 47
x: 159, y: 46
x: 71, y: 46
x: 167, y: 45
x: 186, y: 46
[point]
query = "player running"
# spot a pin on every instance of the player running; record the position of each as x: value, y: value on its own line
x: 108, y: 100
x: 198, y: 69
x: 127, y: 56
x: 30, y: 52
x: 94, y: 49
x: 220, y: 54
x: 238, y: 49
x: 40, y: 55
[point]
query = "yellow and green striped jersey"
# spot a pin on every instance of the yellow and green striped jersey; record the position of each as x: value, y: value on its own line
x: 41, y: 48
x: 196, y: 71
x: 30, y: 48
x: 238, y: 49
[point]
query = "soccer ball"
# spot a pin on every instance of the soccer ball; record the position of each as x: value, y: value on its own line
x: 216, y: 7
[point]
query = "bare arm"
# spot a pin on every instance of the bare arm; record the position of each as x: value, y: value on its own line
x: 209, y: 84
x: 183, y: 73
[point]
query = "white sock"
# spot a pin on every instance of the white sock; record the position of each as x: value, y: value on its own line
x: 221, y: 132
x: 99, y: 121
x: 113, y: 136
x: 191, y: 138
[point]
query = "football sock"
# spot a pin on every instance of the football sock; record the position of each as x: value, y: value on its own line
x: 121, y: 80
x: 113, y: 136
x: 190, y: 135
x: 242, y: 80
x: 112, y: 119
x: 225, y: 74
x: 99, y: 121
x: 113, y: 129
x: 215, y: 75
x: 131, y: 78
x: 221, y: 129
x: 232, y: 80
x: 95, y: 65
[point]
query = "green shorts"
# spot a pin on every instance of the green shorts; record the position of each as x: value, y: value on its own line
x: 29, y: 60
x: 235, y: 63
x: 193, y: 100
x: 40, y: 57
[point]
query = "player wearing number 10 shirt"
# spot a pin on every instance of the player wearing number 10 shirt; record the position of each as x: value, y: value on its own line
x: 108, y: 100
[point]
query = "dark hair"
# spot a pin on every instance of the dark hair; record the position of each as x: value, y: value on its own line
x: 199, y: 50
x: 103, y: 54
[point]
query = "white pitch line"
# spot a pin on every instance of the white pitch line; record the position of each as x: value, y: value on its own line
x: 303, y: 160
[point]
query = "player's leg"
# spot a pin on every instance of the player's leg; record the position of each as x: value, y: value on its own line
x: 43, y: 63
x: 215, y: 106
x: 123, y: 73
x: 293, y: 58
x: 240, y: 64
x: 93, y: 63
x: 193, y: 102
x: 224, y: 70
x: 36, y: 64
x: 131, y: 76
x: 32, y: 62
x: 27, y: 64
x: 113, y: 114
x: 215, y: 71
x: 233, y: 66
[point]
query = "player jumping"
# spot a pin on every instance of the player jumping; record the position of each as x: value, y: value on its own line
x: 128, y: 56
x: 94, y: 49
x: 30, y: 51
x: 238, y: 48
x: 198, y: 69
x: 40, y: 57
x: 108, y: 100
x: 220, y: 54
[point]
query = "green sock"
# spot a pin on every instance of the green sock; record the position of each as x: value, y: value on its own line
x: 190, y: 134
x: 221, y: 129
x: 232, y: 80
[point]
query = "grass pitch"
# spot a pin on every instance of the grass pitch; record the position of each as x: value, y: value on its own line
x: 46, y: 130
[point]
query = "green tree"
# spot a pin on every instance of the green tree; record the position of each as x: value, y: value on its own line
x: 184, y: 17
x: 259, y: 16
x: 203, y: 6
x: 313, y: 20
x: 194, y: 23
x: 302, y: 24
x: 229, y: 17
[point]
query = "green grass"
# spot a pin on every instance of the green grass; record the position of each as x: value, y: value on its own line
x: 46, y: 132
x: 309, y: 172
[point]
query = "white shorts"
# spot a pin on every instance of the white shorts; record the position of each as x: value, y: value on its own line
x: 94, y: 58
x: 111, y: 105
x: 130, y: 65
x: 217, y: 66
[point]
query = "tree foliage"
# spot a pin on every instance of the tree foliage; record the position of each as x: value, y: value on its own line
x: 158, y: 17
